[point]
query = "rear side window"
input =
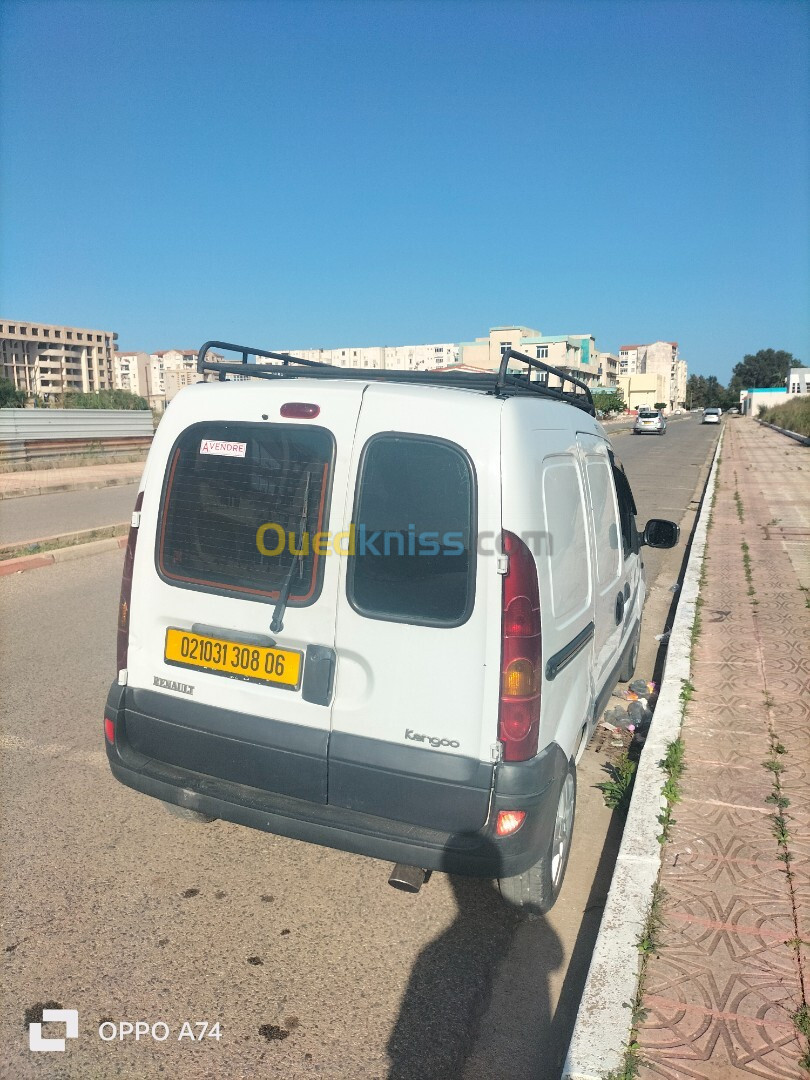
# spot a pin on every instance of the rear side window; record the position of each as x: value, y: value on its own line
x: 605, y: 520
x: 414, y: 534
x: 241, y: 506
x: 566, y: 531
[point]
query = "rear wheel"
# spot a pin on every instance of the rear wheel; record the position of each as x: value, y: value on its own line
x: 185, y: 814
x: 629, y: 669
x: 536, y: 889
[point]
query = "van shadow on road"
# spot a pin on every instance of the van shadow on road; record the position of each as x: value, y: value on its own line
x: 451, y: 983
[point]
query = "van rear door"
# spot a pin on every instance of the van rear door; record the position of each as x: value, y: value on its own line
x: 225, y: 538
x: 414, y: 722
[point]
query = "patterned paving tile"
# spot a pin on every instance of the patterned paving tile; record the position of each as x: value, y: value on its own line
x: 681, y: 1039
x: 732, y: 787
x: 733, y: 710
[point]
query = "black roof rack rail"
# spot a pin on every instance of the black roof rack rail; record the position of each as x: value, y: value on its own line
x: 502, y: 383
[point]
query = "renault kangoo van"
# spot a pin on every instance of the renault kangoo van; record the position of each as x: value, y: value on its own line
x: 379, y: 611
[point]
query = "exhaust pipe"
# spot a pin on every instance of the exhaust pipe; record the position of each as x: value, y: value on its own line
x: 408, y: 878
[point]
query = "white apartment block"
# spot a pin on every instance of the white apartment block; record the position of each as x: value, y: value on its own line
x: 398, y: 357
x: 159, y: 375
x: 657, y: 358
x: 607, y: 368
x: 129, y: 372
x: 47, y: 361
x: 798, y: 381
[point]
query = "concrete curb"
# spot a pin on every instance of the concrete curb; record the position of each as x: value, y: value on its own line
x: 59, y: 555
x: 79, y: 536
x: 53, y: 489
x: 803, y: 439
x: 602, y: 1026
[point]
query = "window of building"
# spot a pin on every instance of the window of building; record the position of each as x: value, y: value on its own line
x: 12, y: 329
x: 505, y: 346
x: 35, y: 331
x: 69, y: 335
x: 79, y: 335
x: 23, y: 329
x: 542, y: 352
x: 46, y: 333
x: 98, y: 337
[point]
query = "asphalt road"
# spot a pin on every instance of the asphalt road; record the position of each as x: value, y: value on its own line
x: 312, y: 966
x: 36, y: 516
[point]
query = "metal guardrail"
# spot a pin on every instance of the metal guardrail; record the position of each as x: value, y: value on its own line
x: 31, y: 425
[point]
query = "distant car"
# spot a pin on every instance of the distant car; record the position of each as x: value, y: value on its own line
x: 649, y: 422
x: 734, y: 412
x: 712, y: 416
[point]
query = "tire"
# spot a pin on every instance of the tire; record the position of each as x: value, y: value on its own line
x: 185, y: 814
x: 535, y: 891
x: 629, y: 669
x: 630, y: 664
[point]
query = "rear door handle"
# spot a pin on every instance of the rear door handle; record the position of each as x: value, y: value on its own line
x: 619, y: 607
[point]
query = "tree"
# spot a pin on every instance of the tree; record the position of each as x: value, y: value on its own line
x: 768, y: 367
x: 608, y: 401
x: 706, y: 392
x: 695, y: 391
x: 660, y: 405
x: 10, y: 396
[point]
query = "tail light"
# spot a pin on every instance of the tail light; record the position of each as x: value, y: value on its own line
x: 521, y: 654
x: 126, y: 589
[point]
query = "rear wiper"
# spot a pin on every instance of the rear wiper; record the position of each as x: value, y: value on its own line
x: 281, y: 606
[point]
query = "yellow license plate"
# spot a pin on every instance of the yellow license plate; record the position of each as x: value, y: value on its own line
x: 281, y: 667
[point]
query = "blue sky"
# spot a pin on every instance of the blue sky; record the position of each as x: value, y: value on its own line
x: 339, y: 173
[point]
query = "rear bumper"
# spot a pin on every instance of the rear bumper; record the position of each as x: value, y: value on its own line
x: 531, y: 786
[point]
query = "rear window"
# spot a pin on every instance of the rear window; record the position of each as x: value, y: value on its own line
x: 414, y: 535
x: 648, y: 415
x: 241, y: 506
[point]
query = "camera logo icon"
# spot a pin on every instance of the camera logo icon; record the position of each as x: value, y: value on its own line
x: 68, y: 1017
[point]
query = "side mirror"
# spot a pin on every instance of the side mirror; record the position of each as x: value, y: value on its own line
x: 659, y: 533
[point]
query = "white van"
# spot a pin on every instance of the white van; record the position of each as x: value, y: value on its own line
x: 379, y: 611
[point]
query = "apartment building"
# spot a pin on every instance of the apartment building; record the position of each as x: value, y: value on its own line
x: 46, y: 361
x: 575, y: 354
x: 398, y: 357
x: 798, y: 381
x: 607, y: 368
x: 658, y: 358
x: 129, y: 372
x: 159, y: 375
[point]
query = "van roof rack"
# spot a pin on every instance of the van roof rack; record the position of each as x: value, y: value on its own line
x: 501, y: 383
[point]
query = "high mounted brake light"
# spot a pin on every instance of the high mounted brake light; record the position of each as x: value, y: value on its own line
x: 300, y: 410
x: 521, y: 654
x: 126, y: 588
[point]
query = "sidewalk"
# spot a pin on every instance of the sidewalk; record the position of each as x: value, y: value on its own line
x: 732, y: 967
x: 43, y: 481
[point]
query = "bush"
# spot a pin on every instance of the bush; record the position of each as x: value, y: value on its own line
x: 105, y: 399
x: 10, y: 397
x: 793, y: 415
